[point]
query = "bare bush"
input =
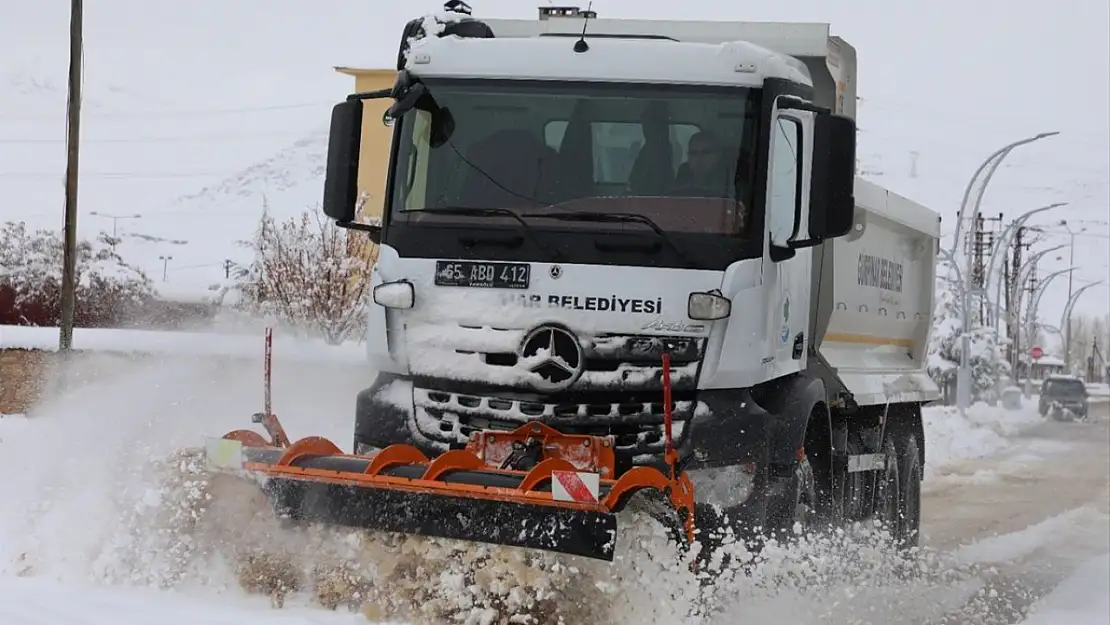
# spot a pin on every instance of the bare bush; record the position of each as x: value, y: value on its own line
x: 31, y: 278
x: 308, y: 275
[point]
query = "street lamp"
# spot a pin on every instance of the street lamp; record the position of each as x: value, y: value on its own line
x: 1067, y: 328
x: 1029, y: 327
x: 1000, y: 244
x: 1065, y: 320
x: 1015, y: 294
x: 963, y: 377
x: 115, y: 219
x: 993, y: 161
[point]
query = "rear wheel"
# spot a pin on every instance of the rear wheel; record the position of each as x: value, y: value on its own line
x: 887, y: 490
x: 909, y: 508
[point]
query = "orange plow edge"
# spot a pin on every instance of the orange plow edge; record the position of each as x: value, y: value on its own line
x: 533, y: 487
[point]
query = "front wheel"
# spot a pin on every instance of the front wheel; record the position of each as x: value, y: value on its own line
x: 805, y: 496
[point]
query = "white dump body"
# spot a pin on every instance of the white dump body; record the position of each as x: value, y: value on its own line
x: 879, y: 313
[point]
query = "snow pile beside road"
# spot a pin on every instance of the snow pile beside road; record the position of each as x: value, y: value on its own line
x: 1082, y: 599
x: 985, y: 430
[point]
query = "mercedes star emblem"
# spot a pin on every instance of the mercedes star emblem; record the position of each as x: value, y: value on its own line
x: 554, y: 355
x: 555, y: 272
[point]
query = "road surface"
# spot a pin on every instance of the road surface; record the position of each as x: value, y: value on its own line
x: 1035, y: 511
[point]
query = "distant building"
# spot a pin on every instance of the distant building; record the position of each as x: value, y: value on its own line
x: 1042, y: 367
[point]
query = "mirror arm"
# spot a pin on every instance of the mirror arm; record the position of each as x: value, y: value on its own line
x: 354, y: 225
x: 804, y: 243
x: 371, y: 95
x: 374, y: 232
x: 798, y: 104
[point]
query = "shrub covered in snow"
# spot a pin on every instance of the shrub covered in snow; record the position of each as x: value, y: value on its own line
x: 987, y: 358
x: 305, y: 277
x: 31, y: 278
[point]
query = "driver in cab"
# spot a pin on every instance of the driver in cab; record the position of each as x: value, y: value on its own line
x: 705, y: 170
x: 706, y: 174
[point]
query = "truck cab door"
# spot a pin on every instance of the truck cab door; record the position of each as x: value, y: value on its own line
x: 787, y: 272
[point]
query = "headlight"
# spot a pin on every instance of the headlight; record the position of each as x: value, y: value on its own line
x: 398, y: 294
x: 708, y: 306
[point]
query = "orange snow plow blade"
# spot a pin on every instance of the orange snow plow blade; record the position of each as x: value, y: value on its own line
x: 533, y: 487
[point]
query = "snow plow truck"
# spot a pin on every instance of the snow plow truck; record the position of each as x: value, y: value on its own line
x: 621, y: 260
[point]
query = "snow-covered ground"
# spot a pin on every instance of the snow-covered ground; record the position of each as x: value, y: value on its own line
x: 77, y: 542
x: 1082, y: 599
x: 238, y: 345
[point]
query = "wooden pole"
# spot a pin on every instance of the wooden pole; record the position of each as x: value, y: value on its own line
x: 73, y: 134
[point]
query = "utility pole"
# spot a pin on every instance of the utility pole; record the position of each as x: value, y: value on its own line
x: 73, y: 134
x: 227, y: 268
x: 988, y: 233
x: 165, y: 266
x: 1031, y: 312
x: 1013, y: 329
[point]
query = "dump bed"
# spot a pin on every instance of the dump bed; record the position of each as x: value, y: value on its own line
x: 875, y: 297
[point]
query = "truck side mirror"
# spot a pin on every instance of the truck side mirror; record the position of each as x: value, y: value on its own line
x: 832, y: 201
x: 341, y: 178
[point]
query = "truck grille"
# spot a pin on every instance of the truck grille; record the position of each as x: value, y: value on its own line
x: 487, y: 356
x: 443, y: 418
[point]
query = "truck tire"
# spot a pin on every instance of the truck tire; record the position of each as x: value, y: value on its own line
x: 909, y: 509
x: 805, y: 502
x: 886, y: 505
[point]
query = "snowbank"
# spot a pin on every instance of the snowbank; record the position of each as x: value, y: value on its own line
x: 181, y: 343
x: 985, y: 430
x: 1082, y: 599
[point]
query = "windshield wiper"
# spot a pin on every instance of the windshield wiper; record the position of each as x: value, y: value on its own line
x: 602, y: 217
x: 555, y: 255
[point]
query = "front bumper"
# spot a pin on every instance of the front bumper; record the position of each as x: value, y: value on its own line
x: 712, y: 429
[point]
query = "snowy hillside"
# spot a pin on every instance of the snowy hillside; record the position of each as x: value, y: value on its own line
x: 192, y: 136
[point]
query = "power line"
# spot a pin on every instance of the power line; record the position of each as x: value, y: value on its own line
x: 220, y: 137
x: 138, y: 175
x: 172, y: 113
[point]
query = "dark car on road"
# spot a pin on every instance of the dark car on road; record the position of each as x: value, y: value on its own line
x: 1068, y: 392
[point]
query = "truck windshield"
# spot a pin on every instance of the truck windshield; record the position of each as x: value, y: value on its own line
x: 682, y: 156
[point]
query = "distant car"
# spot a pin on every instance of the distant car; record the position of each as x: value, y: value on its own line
x: 1067, y: 391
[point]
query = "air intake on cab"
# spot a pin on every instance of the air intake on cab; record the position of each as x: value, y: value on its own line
x: 454, y: 20
x: 547, y: 13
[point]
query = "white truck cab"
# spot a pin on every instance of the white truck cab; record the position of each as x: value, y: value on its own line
x: 571, y: 197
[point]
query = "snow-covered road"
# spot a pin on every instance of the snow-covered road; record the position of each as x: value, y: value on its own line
x: 1013, y: 506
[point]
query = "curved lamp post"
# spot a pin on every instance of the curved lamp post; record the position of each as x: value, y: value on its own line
x: 1029, y: 326
x: 992, y: 161
x: 963, y: 378
x: 1001, y: 243
x: 1014, y: 316
x: 1066, y: 318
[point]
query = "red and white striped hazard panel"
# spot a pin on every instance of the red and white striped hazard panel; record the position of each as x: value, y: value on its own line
x: 576, y: 486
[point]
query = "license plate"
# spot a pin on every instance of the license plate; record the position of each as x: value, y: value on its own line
x: 482, y: 275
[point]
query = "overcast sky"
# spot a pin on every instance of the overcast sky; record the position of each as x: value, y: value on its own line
x: 949, y: 79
